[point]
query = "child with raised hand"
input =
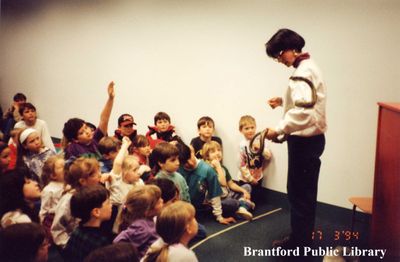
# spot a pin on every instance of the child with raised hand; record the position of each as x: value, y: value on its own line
x: 166, y: 158
x: 30, y: 120
x: 137, y: 225
x: 162, y: 130
x: 176, y: 226
x: 18, y: 194
x: 206, y: 128
x: 234, y: 198
x: 122, y: 178
x: 251, y: 166
x: 79, y: 140
x: 92, y: 206
x: 82, y: 172
x: 53, y: 181
x: 31, y: 152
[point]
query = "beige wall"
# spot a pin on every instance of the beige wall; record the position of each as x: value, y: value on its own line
x: 195, y: 58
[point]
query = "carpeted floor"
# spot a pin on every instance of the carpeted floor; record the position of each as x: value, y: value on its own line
x: 271, y: 222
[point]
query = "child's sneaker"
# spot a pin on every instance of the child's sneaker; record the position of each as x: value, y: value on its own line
x: 251, y: 204
x: 243, y: 213
x: 248, y: 203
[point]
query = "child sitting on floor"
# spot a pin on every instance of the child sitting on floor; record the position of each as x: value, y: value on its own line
x: 137, y: 225
x: 29, y: 119
x: 5, y: 157
x: 92, y: 206
x: 108, y: 147
x: 234, y: 198
x: 125, y: 128
x: 162, y: 130
x: 18, y: 195
x: 206, y: 128
x: 82, y: 172
x: 142, y: 150
x: 32, y: 153
x: 24, y: 242
x: 53, y: 182
x: 176, y: 226
x: 251, y: 165
x: 203, y: 183
x: 166, y: 157
x: 122, y: 178
x: 79, y: 140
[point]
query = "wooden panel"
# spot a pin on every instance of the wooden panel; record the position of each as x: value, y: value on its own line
x: 385, y: 223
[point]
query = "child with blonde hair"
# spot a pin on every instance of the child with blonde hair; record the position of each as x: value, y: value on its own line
x: 122, y: 178
x: 234, y: 198
x: 53, y: 180
x: 137, y: 225
x: 32, y: 152
x: 251, y: 165
x: 82, y: 172
x: 176, y: 226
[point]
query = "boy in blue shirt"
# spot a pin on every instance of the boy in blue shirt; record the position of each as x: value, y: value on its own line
x: 202, y: 181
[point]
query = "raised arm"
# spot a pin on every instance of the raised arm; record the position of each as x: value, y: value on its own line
x: 105, y: 114
x: 122, y: 153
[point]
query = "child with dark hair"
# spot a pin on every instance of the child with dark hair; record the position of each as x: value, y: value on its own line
x: 83, y: 172
x: 13, y: 144
x: 5, y: 157
x: 166, y: 158
x: 31, y: 152
x: 79, y: 139
x: 137, y: 225
x: 24, y: 242
x: 176, y: 225
x: 162, y: 130
x: 170, y: 194
x: 30, y: 120
x: 92, y: 205
x: 202, y: 181
x: 108, y: 147
x: 125, y: 128
x: 142, y: 150
x: 12, y: 115
x: 169, y: 191
x: 117, y: 252
x: 18, y: 194
x: 206, y: 128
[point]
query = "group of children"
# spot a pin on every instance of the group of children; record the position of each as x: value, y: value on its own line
x: 105, y: 190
